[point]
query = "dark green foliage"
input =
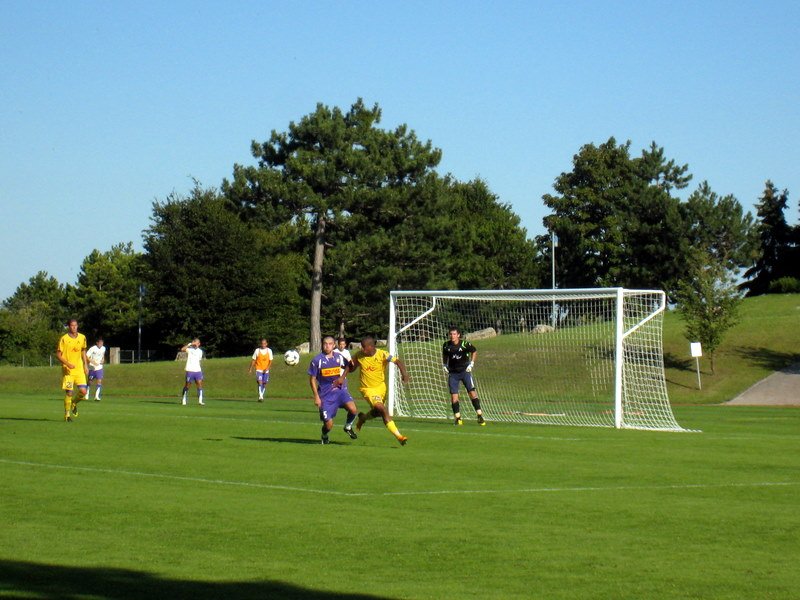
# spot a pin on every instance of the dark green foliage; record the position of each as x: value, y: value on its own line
x: 616, y: 221
x: 211, y: 275
x: 709, y: 302
x: 778, y: 255
x: 106, y: 298
x: 31, y: 320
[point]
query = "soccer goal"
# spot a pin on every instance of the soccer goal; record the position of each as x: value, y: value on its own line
x: 588, y: 357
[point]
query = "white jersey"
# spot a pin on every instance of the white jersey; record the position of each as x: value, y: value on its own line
x: 346, y: 354
x: 96, y: 356
x: 193, y: 358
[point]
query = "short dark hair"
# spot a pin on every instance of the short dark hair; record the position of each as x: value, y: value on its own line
x: 368, y: 338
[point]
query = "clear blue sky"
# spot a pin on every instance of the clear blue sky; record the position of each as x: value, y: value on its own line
x: 108, y: 106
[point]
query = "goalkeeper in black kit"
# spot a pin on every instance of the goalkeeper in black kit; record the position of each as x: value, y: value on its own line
x: 458, y: 358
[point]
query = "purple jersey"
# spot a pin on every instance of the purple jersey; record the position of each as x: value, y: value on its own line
x: 327, y: 371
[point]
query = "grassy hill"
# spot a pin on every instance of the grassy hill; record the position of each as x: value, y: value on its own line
x: 765, y: 340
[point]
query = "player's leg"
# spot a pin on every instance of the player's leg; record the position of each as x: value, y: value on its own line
x: 98, y: 390
x: 79, y: 390
x: 326, y: 414
x: 352, y: 414
x: 185, y: 391
x: 469, y: 382
x: 67, y: 384
x: 452, y: 384
x: 388, y: 422
x: 199, y: 382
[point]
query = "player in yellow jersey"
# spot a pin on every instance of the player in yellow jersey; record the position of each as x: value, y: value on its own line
x: 373, y: 363
x: 71, y: 353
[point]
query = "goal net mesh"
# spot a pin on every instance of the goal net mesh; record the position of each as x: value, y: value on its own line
x: 543, y: 356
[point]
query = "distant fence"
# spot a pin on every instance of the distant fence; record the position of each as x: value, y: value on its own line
x: 115, y: 356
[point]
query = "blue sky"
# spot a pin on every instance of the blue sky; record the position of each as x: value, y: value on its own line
x: 108, y: 106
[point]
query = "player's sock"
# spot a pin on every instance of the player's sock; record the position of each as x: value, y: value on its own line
x: 393, y: 428
x: 457, y: 410
x: 350, y: 418
x: 67, y: 404
x: 476, y: 404
x: 184, y: 391
x: 200, y: 395
x: 97, y: 392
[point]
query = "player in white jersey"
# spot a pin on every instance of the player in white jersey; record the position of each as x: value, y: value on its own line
x: 194, y: 372
x: 96, y: 355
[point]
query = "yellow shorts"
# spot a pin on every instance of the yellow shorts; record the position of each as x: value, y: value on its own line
x: 373, y: 395
x: 73, y: 379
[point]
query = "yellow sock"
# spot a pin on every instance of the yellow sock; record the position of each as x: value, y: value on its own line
x: 393, y: 428
x: 67, y: 403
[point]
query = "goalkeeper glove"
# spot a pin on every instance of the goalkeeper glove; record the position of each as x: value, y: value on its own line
x: 470, y: 366
x: 445, y: 369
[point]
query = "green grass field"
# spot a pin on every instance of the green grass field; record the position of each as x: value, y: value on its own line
x: 144, y: 498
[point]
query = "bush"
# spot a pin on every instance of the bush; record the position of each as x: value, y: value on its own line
x: 785, y: 285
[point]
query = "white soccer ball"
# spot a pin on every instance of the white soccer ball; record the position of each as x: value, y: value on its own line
x: 291, y: 357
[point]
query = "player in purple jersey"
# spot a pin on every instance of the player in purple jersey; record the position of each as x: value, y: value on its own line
x: 328, y: 379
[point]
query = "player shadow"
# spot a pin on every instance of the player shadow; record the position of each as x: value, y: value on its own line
x: 284, y: 440
x: 50, y: 582
x: 22, y: 419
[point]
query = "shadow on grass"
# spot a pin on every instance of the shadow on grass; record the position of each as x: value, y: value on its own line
x: 769, y: 359
x: 22, y: 419
x: 54, y: 581
x: 282, y: 440
x: 671, y: 361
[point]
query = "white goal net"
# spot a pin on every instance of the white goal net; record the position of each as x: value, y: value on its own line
x: 569, y: 357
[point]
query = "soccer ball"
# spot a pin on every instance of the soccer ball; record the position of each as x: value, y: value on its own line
x: 291, y: 357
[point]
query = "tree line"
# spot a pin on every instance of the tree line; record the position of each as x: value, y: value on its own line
x: 337, y: 211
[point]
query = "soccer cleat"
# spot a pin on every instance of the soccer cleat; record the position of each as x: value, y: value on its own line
x: 361, y: 420
x: 183, y: 401
x: 402, y: 439
x: 67, y: 419
x: 458, y: 421
x: 201, y: 403
x: 481, y: 420
x: 74, y: 409
x: 349, y: 431
x: 325, y: 439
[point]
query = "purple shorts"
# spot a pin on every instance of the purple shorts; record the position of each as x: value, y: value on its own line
x: 332, y: 401
x: 96, y: 374
x: 194, y: 376
x: 262, y: 377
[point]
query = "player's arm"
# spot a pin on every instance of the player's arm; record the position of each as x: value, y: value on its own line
x: 353, y: 364
x: 85, y: 360
x: 445, y: 360
x: 402, y: 366
x: 185, y: 346
x: 252, y: 364
x: 62, y: 360
x: 312, y: 380
x: 473, y: 355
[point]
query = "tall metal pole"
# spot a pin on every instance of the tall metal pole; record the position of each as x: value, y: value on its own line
x: 553, y: 272
x: 141, y: 294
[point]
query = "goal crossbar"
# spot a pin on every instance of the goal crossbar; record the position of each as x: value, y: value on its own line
x: 589, y: 357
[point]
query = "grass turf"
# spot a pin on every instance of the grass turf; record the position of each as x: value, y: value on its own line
x: 142, y: 497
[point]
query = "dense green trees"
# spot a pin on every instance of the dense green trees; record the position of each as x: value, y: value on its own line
x: 778, y: 258
x: 32, y: 319
x: 371, y: 215
x: 618, y: 223
x: 337, y: 212
x: 106, y: 296
x: 209, y: 274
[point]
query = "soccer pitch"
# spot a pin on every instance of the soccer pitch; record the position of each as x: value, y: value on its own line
x: 141, y: 497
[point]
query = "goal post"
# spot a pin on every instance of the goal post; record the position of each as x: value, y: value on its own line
x: 589, y: 357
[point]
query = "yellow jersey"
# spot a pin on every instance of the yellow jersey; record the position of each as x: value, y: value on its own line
x: 71, y: 349
x: 373, y: 368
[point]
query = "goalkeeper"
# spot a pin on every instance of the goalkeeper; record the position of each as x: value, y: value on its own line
x: 458, y: 360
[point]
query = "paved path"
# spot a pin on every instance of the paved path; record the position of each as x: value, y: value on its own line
x: 782, y: 388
